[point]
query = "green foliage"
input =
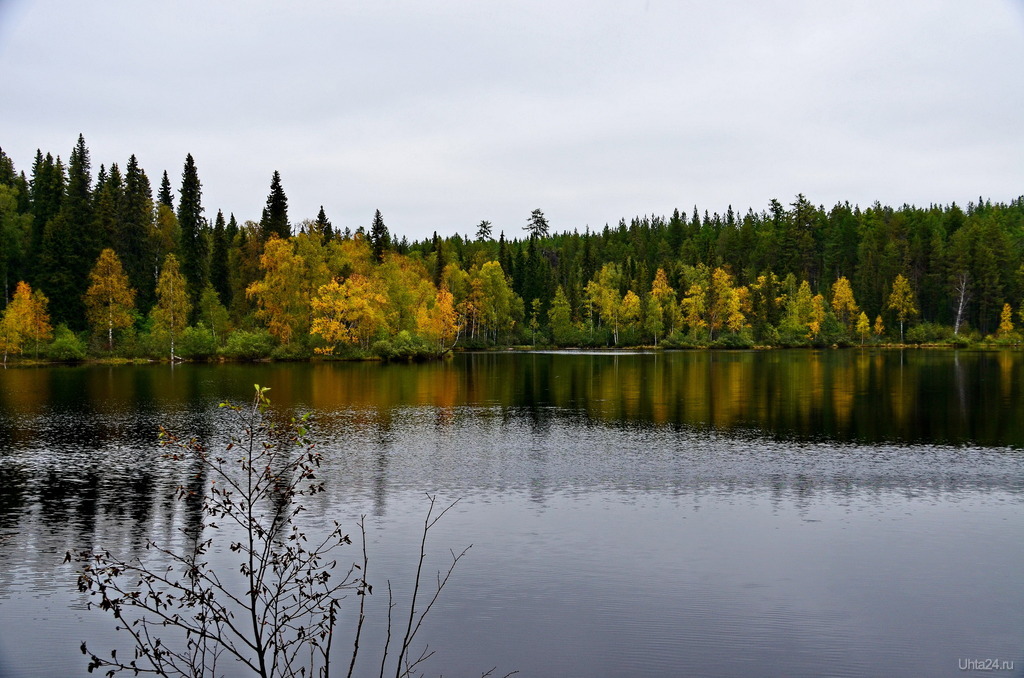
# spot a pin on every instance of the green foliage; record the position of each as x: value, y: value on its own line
x: 249, y: 345
x: 66, y: 346
x: 197, y: 343
x: 404, y: 346
x: 296, y: 350
x: 930, y: 333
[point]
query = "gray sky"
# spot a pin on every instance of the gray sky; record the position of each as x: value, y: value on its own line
x: 441, y: 114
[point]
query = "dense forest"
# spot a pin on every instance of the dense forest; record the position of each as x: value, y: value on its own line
x: 99, y: 265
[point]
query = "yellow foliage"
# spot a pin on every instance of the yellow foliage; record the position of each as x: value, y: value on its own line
x: 109, y: 301
x: 352, y: 311
x: 24, y: 319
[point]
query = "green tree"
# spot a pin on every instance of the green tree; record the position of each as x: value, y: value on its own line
x: 275, y: 215
x: 135, y: 241
x: 213, y: 314
x: 110, y: 300
x: 537, y: 224
x: 69, y: 247
x: 560, y: 319
x: 483, y: 231
x: 380, y: 239
x: 220, y: 274
x: 193, y: 243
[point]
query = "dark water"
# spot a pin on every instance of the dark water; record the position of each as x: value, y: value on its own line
x: 715, y: 514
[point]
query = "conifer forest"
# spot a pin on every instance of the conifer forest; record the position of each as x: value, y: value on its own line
x: 108, y: 262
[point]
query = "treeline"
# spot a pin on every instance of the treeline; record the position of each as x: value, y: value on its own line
x: 102, y: 265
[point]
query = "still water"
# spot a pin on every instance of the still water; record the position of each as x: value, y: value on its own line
x: 782, y: 513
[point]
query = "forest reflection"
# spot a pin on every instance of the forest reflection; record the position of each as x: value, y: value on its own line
x: 949, y: 397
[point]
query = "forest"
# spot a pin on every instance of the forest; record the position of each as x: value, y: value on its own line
x: 100, y: 266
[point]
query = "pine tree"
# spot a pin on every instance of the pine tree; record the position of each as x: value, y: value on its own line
x: 380, y: 239
x: 537, y: 224
x: 193, y: 242
x: 275, y: 215
x: 483, y: 231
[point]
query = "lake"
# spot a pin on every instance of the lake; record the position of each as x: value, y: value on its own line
x: 776, y: 513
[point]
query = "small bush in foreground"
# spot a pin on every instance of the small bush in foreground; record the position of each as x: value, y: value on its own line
x: 276, y: 613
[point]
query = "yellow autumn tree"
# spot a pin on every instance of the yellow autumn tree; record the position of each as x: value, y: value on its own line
x: 663, y: 315
x: 170, y: 315
x: 279, y: 296
x: 350, y: 311
x: 843, y: 304
x: 25, y: 319
x: 1006, y: 320
x: 110, y: 300
x: 902, y: 301
x: 863, y: 327
x: 723, y: 305
x: 817, y: 316
x: 603, y: 294
x: 439, y: 321
x: 694, y: 305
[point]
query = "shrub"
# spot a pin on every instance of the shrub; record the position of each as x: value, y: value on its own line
x: 249, y: 345
x: 404, y: 346
x: 66, y: 346
x: 196, y: 343
x: 930, y: 333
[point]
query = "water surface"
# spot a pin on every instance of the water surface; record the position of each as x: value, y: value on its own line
x: 790, y: 513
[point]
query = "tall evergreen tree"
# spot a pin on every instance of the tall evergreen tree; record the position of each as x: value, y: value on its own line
x: 108, y: 196
x: 537, y: 224
x: 69, y: 244
x: 193, y: 245
x: 220, y: 277
x: 136, y: 234
x: 166, y: 195
x: 323, y: 225
x: 380, y: 239
x: 483, y: 231
x: 275, y: 215
x: 7, y: 173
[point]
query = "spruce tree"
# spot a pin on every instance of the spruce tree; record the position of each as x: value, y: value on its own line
x: 323, y: 225
x: 166, y: 196
x: 219, y: 276
x: 380, y: 239
x: 108, y: 196
x: 232, y: 229
x: 275, y: 215
x: 136, y: 234
x: 193, y: 244
x: 69, y: 245
x: 46, y: 190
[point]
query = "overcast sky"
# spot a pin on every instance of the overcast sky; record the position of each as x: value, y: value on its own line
x: 441, y: 114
